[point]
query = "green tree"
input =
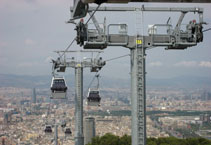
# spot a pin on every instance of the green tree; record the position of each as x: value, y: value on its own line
x: 151, y: 142
x: 125, y: 140
x: 109, y: 139
x: 164, y: 144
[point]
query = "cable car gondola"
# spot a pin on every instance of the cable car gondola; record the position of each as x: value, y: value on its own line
x: 58, y: 88
x: 48, y: 129
x: 93, y: 98
x: 63, y: 124
x: 68, y: 131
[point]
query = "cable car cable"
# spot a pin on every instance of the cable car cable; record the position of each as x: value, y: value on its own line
x: 98, y: 73
x: 117, y: 57
x: 93, y: 14
x: 206, y: 30
x: 68, y: 47
x: 91, y: 81
x: 75, y: 37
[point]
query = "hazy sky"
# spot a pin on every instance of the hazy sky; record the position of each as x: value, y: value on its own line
x: 30, y: 30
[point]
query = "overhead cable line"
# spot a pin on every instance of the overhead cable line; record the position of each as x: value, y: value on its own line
x: 75, y: 37
x: 68, y: 47
x: 93, y: 14
x: 98, y: 73
x: 206, y: 30
x: 117, y: 57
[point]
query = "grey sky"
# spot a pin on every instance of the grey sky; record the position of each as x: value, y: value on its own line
x: 30, y: 30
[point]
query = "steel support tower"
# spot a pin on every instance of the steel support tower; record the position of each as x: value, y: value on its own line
x: 138, y: 96
x: 174, y: 39
x: 95, y: 64
x: 56, y: 135
x: 79, y: 136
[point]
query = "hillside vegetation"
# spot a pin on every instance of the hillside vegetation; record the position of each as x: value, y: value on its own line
x: 109, y: 139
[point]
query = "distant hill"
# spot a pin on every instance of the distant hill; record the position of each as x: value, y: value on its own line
x: 25, y: 81
x: 182, y: 81
x: 8, y: 80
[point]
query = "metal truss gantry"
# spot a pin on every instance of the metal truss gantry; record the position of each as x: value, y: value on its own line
x: 174, y: 39
x: 95, y: 64
x: 81, y: 6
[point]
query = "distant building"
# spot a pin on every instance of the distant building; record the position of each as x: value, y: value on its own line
x: 7, y: 117
x: 205, y: 118
x: 89, y: 129
x: 34, y: 95
x: 24, y: 102
x: 205, y: 96
x: 3, y: 141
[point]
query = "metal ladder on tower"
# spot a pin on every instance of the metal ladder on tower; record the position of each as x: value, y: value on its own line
x: 141, y: 117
